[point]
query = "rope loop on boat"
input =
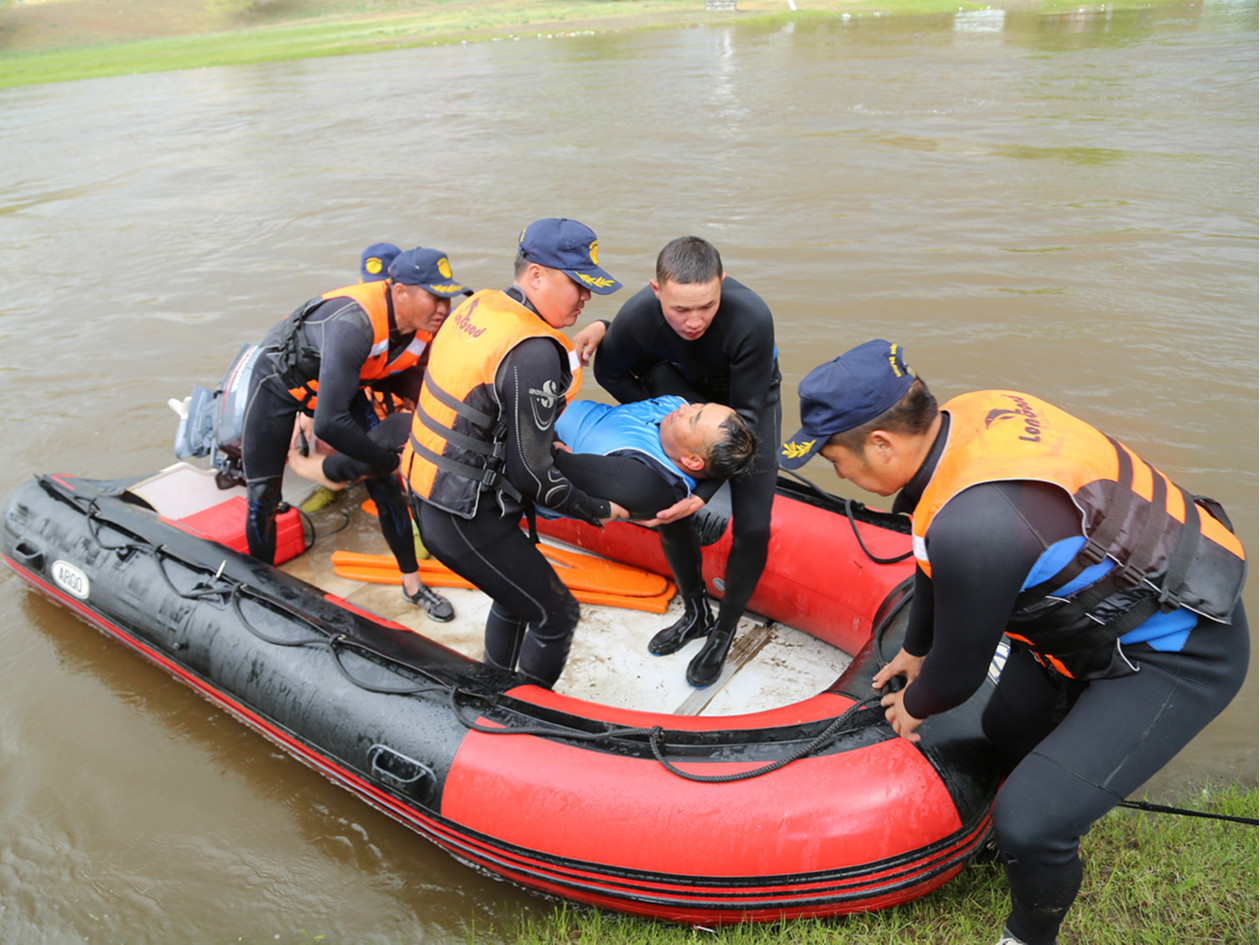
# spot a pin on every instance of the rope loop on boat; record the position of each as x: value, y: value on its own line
x: 341, y: 642
x: 833, y: 728
x: 543, y: 730
x: 655, y: 738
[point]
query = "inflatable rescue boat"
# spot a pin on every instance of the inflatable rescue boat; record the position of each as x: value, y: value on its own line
x: 699, y: 806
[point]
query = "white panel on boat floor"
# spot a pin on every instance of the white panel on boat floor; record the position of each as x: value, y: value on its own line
x: 769, y: 665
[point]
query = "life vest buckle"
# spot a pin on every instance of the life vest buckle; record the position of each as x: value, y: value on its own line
x: 1091, y: 552
x: 1169, y: 600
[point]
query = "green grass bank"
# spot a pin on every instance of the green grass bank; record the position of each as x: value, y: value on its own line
x: 1150, y: 879
x: 45, y: 41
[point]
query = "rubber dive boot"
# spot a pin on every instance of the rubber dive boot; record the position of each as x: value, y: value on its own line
x: 504, y: 633
x: 696, y: 621
x: 706, y: 666
x: 542, y: 661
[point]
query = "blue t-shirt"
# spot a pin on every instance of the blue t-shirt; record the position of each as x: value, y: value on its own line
x: 635, y: 428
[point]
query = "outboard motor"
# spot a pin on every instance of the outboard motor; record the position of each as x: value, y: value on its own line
x: 210, y: 422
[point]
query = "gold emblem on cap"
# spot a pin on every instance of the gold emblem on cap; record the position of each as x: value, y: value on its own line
x: 594, y: 252
x: 373, y: 265
x: 444, y: 267
x: 792, y: 450
x: 597, y: 281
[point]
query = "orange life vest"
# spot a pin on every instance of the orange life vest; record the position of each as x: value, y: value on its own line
x: 298, y: 361
x: 458, y: 434
x: 1167, y: 554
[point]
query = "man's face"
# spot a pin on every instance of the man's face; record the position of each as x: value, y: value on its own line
x: 693, y: 429
x: 417, y: 309
x: 859, y: 469
x: 689, y: 307
x: 558, y: 298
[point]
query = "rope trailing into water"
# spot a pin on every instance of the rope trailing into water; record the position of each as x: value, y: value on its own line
x: 1185, y: 812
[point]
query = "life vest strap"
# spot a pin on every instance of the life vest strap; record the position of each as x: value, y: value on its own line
x: 287, y: 353
x: 1097, y: 544
x: 471, y: 414
x: 488, y: 479
x: 493, y: 450
x: 1128, y: 575
x: 305, y: 394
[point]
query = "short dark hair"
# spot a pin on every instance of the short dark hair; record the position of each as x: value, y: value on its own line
x: 688, y: 260
x: 912, y: 415
x: 521, y: 264
x: 735, y: 454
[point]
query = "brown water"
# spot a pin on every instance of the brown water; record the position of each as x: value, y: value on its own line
x: 1061, y: 204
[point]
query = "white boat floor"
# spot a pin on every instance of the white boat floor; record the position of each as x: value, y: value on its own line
x: 769, y: 664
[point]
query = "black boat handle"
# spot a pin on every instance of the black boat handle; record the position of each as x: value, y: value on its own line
x: 396, y: 768
x: 28, y: 556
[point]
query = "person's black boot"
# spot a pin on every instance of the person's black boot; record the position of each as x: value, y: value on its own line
x: 706, y: 666
x: 696, y: 621
x: 504, y: 633
x: 542, y: 661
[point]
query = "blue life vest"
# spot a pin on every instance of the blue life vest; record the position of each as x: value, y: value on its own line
x: 590, y: 427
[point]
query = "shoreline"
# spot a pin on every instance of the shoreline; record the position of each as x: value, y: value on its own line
x: 48, y: 41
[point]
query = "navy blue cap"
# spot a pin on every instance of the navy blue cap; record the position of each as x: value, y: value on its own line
x: 374, y: 263
x: 845, y: 393
x: 571, y: 247
x: 427, y: 268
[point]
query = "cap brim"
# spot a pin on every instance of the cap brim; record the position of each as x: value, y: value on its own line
x: 598, y: 281
x: 797, y: 451
x: 446, y: 290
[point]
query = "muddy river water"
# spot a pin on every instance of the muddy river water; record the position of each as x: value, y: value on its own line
x: 1059, y: 204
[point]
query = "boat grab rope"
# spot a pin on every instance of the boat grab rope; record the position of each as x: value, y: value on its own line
x: 846, y: 506
x: 656, y: 733
x: 836, y: 727
x: 232, y: 592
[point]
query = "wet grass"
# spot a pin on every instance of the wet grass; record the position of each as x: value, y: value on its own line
x: 1150, y: 879
x: 92, y: 40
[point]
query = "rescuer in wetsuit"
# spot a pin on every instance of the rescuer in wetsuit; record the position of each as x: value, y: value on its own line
x: 1118, y: 591
x: 480, y: 450
x: 697, y: 333
x: 318, y: 361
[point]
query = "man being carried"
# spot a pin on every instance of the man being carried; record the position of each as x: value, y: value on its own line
x: 647, y: 455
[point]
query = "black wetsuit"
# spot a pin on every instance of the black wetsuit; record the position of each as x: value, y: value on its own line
x: 734, y: 362
x: 1074, y: 749
x: 339, y: 332
x: 533, y: 616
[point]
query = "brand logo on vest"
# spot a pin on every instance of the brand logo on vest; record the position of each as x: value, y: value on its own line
x: 463, y: 323
x: 1023, y: 410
